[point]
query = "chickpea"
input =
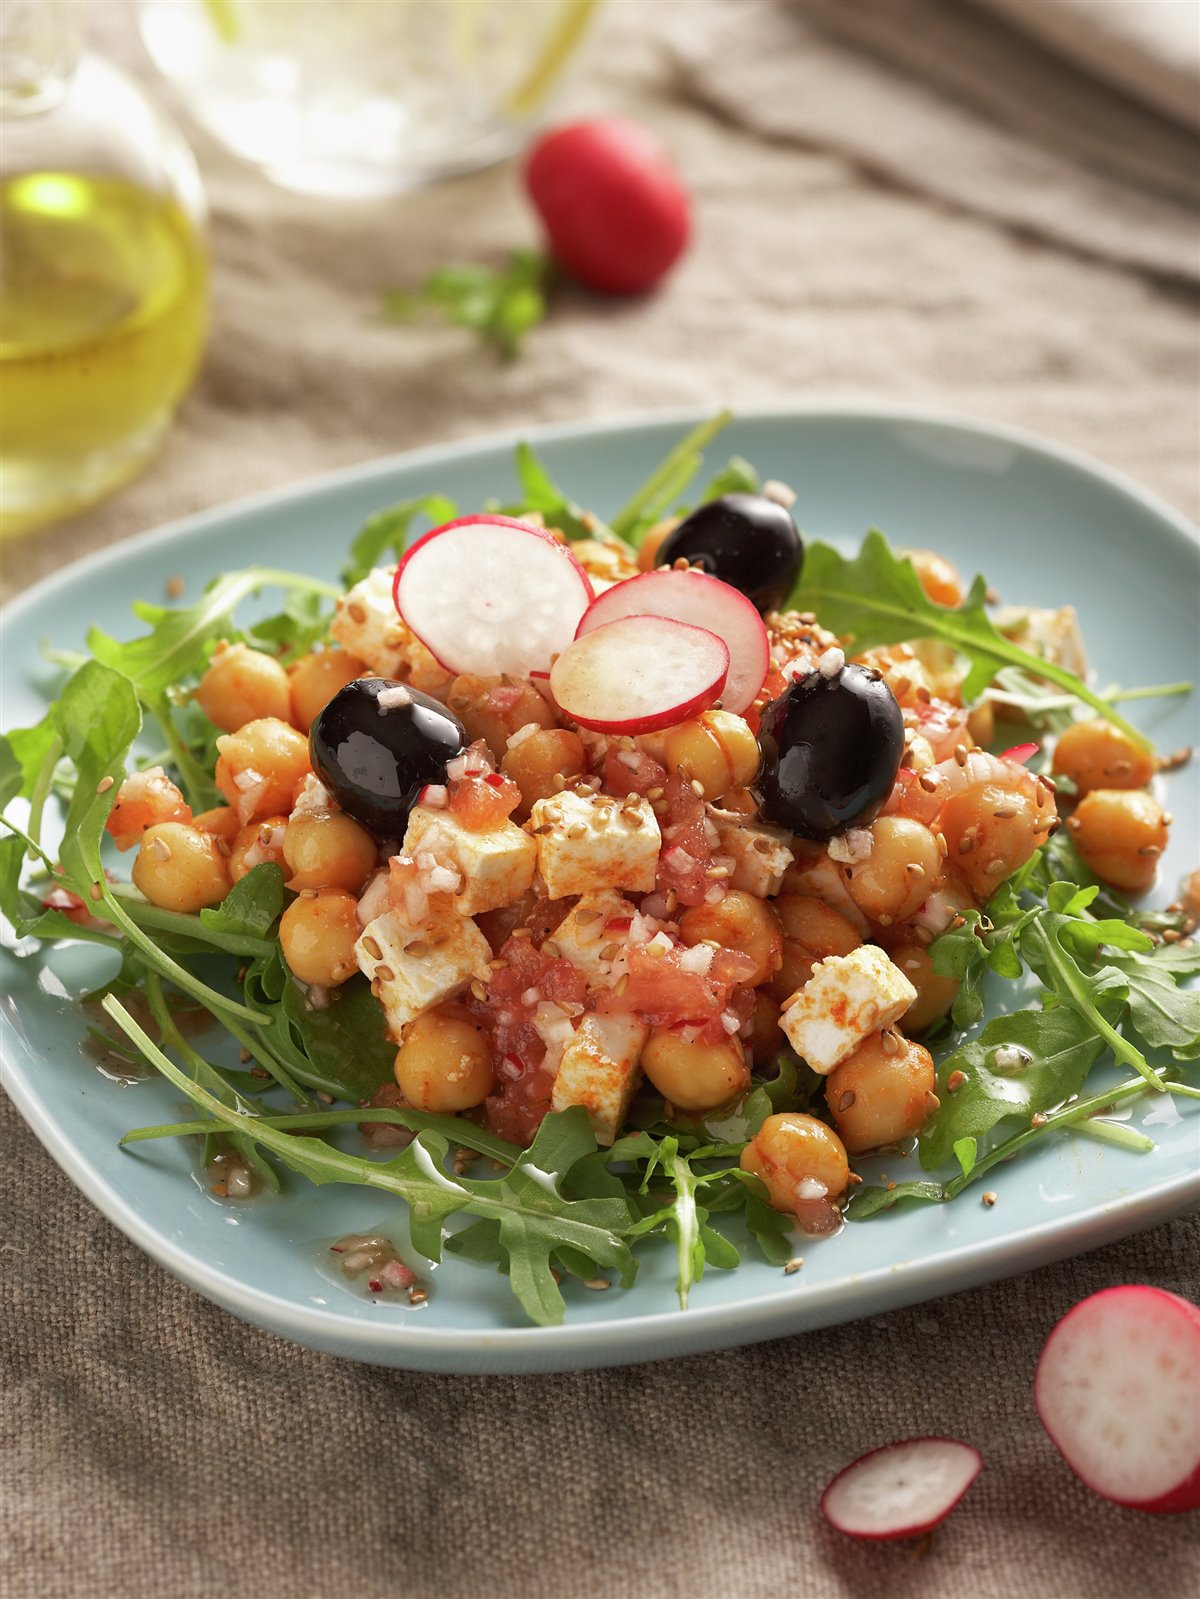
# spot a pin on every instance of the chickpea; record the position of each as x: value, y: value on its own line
x: 938, y: 577
x: 1120, y: 834
x: 261, y: 766
x: 990, y: 831
x: 327, y: 850
x: 816, y: 925
x: 1190, y: 893
x: 1094, y: 754
x: 981, y: 723
x: 935, y: 994
x: 766, y: 1039
x: 317, y: 934
x: 902, y: 870
x: 795, y: 968
x: 877, y: 1097
x: 791, y: 1151
x: 445, y: 1061
x: 697, y: 1076
x: 611, y: 563
x: 179, y: 868
x: 540, y: 758
x: 492, y: 709
x: 222, y: 822
x: 741, y: 922
x: 653, y: 542
x: 243, y: 685
x: 257, y: 844
x: 715, y: 749
x: 314, y: 680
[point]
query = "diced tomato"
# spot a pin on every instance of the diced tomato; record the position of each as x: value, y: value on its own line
x: 632, y: 772
x: 143, y: 800
x: 483, y: 802
x: 520, y: 1102
x: 662, y: 993
x: 686, y: 853
x: 522, y: 1092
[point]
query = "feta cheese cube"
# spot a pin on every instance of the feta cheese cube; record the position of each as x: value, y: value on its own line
x: 412, y: 969
x: 847, y: 998
x: 366, y: 624
x: 760, y: 854
x: 599, y: 1070
x: 589, y: 842
x: 495, y: 867
x: 816, y: 874
x: 585, y: 937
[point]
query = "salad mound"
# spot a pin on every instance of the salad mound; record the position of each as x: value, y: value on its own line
x: 584, y: 881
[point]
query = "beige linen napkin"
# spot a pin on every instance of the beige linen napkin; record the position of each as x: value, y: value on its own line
x: 152, y: 1446
x: 942, y: 99
x: 1149, y: 48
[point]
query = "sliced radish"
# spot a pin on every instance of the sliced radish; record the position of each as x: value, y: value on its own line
x: 1118, y: 1390
x: 704, y: 601
x: 902, y: 1490
x: 488, y: 594
x: 1019, y: 753
x: 639, y: 673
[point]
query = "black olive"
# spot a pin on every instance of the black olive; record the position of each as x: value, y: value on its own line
x: 746, y: 540
x: 375, y: 759
x: 831, y: 748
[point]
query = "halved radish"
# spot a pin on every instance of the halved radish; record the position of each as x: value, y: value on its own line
x: 489, y: 594
x: 901, y: 1490
x: 639, y: 673
x: 1118, y: 1390
x: 704, y: 601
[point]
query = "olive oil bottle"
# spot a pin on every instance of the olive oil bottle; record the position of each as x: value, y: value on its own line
x: 103, y: 282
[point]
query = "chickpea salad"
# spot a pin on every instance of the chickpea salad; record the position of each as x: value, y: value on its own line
x: 583, y: 884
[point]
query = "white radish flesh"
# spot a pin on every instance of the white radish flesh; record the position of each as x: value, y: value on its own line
x: 1118, y: 1390
x: 902, y: 1490
x: 704, y: 601
x: 639, y: 674
x: 488, y: 595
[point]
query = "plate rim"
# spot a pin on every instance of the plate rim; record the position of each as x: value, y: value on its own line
x: 753, y: 1317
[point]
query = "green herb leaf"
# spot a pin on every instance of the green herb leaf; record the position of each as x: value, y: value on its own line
x: 97, y: 717
x: 867, y: 1202
x: 667, y: 482
x: 964, y: 1153
x: 385, y: 534
x: 737, y: 476
x: 501, y: 306
x: 539, y: 492
x: 251, y: 905
x: 1163, y: 1015
x: 876, y: 597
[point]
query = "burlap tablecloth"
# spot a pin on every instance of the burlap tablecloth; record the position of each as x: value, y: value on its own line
x: 155, y: 1447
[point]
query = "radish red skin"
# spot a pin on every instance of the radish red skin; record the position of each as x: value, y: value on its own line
x: 614, y: 209
x: 914, y: 1529
x: 1184, y: 1494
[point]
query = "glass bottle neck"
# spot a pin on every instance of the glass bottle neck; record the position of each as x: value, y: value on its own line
x: 40, y: 45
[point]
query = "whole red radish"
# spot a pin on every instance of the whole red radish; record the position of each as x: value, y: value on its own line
x: 613, y: 205
x: 902, y: 1490
x: 1118, y: 1390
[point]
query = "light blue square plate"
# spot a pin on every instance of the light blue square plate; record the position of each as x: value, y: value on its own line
x: 1048, y: 528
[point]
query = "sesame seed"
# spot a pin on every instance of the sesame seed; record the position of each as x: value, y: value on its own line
x: 105, y: 783
x: 932, y: 1102
x: 847, y: 1099
x: 655, y: 793
x: 1037, y: 1119
x: 385, y: 974
x: 585, y: 918
x: 993, y: 868
x: 697, y: 788
x: 357, y: 613
x: 95, y: 891
x: 417, y: 1296
x: 610, y: 952
x: 1150, y: 850
x: 889, y: 1041
x: 955, y: 1081
x: 372, y: 948
x: 550, y: 948
x: 989, y: 1197
x: 598, y: 1284
x: 416, y: 950
x: 174, y: 587
x: 162, y: 849
x: 1003, y: 812
x: 479, y: 991
x: 914, y: 869
x: 928, y: 782
x: 243, y: 1055
x: 960, y: 754
x: 793, y: 1265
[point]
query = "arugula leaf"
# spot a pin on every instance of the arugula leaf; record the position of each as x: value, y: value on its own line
x: 97, y: 717
x: 535, y: 1220
x: 667, y: 482
x: 737, y: 476
x: 1057, y: 1049
x: 961, y: 953
x: 501, y: 306
x: 876, y: 597
x: 539, y: 492
x: 386, y: 533
x: 1164, y: 1015
x: 251, y: 905
x: 177, y: 644
x: 344, y: 1048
